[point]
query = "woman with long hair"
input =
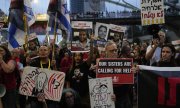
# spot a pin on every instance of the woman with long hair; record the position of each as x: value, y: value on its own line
x: 8, y: 78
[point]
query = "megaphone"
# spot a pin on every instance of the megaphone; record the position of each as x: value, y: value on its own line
x: 2, y: 90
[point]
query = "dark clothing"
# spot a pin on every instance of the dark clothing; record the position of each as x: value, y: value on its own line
x: 9, y: 81
x: 36, y: 63
x: 123, y: 95
x: 9, y: 99
x: 77, y: 83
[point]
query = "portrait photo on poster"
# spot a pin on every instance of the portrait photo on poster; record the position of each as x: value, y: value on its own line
x: 101, y: 31
x: 81, y: 39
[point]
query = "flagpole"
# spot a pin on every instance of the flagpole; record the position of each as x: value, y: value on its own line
x: 26, y: 33
x: 47, y: 34
x: 55, y: 36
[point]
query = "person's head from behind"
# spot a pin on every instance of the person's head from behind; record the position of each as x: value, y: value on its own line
x: 102, y: 32
x: 44, y: 52
x: 82, y: 36
x: 70, y: 98
x: 168, y: 53
x: 4, y: 51
x: 126, y: 51
x: 111, y: 50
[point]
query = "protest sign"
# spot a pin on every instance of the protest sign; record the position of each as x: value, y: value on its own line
x: 117, y: 68
x: 82, y: 30
x: 101, y: 90
x: 152, y: 12
x: 38, y: 80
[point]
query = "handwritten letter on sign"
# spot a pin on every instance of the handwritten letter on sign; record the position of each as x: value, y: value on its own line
x: 37, y: 80
x: 101, y: 91
x: 152, y: 12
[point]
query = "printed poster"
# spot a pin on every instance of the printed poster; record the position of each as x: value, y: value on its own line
x: 119, y: 69
x: 82, y: 30
x: 116, y: 34
x: 101, y: 34
x: 38, y: 80
x: 101, y: 90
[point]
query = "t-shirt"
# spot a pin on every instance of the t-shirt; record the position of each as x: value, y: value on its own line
x: 36, y: 63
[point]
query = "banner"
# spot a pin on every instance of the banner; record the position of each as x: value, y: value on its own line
x: 101, y: 90
x: 159, y: 87
x: 37, y: 80
x: 152, y: 12
x: 117, y: 68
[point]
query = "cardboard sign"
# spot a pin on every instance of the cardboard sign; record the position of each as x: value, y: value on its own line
x: 117, y: 68
x: 37, y: 80
x: 152, y: 12
x: 101, y: 90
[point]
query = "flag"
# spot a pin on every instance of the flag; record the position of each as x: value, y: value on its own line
x: 16, y: 25
x: 159, y: 87
x: 64, y: 16
x: 52, y: 10
x: 63, y: 19
x: 29, y: 12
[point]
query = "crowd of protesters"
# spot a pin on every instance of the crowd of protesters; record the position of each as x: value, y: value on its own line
x: 79, y: 69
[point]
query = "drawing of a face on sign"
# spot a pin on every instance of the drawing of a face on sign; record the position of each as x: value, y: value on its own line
x: 41, y: 81
x: 103, y: 88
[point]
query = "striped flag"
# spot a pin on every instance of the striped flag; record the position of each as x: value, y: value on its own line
x: 63, y: 19
x: 64, y: 16
x: 16, y: 24
x: 29, y: 12
x: 52, y: 10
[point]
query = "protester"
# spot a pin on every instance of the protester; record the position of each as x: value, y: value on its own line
x: 8, y: 78
x: 167, y: 57
x: 78, y: 77
x: 122, y: 92
x: 43, y: 62
x: 153, y: 51
x: 70, y: 99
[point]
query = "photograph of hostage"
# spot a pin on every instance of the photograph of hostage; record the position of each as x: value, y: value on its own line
x: 82, y: 42
x: 102, y: 33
